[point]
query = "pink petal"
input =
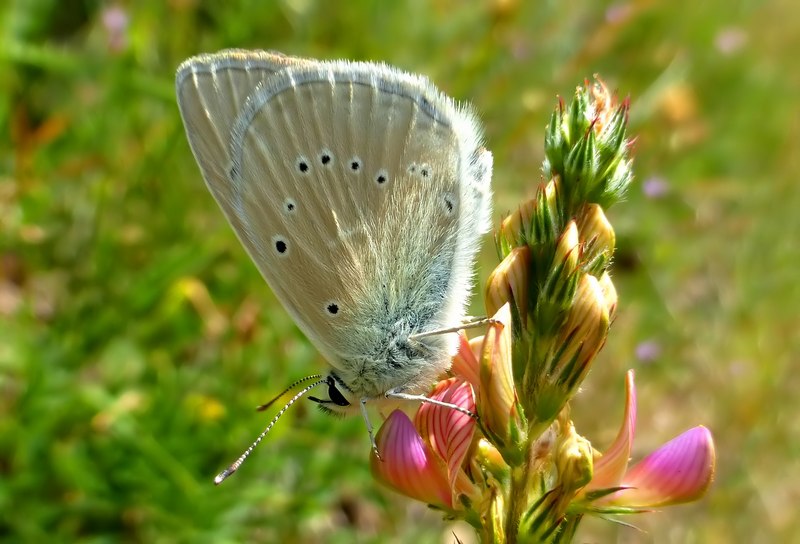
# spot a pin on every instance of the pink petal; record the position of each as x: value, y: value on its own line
x: 465, y: 362
x: 679, y: 471
x: 407, y: 465
x: 610, y: 468
x: 448, y: 431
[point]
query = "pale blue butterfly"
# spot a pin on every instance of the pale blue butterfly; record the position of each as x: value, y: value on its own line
x: 360, y: 192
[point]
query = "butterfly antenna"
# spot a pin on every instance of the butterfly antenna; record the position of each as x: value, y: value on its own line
x: 295, y: 384
x: 236, y: 464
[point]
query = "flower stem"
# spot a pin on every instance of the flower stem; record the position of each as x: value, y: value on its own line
x: 518, y: 494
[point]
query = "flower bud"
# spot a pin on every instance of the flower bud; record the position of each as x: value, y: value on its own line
x: 509, y: 283
x: 586, y: 146
x: 597, y: 236
x: 516, y: 229
x: 537, y: 221
x: 559, y: 287
x: 582, y: 334
x: 489, y: 458
x: 574, y: 460
x: 496, y: 520
x: 568, y: 249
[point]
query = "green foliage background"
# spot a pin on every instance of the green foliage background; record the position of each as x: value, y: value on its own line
x: 136, y: 337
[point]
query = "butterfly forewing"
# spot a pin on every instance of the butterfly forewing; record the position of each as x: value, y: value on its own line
x: 347, y: 183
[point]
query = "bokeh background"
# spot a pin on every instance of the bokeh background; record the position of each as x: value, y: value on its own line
x: 136, y: 336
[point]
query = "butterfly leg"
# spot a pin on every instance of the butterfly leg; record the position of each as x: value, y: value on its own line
x: 474, y: 324
x: 423, y: 398
x: 365, y: 415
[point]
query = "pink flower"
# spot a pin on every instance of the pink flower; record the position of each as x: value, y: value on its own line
x: 679, y: 471
x: 429, y: 459
x: 115, y: 22
x: 424, y: 459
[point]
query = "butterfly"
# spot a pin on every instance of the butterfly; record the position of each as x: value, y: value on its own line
x: 360, y: 192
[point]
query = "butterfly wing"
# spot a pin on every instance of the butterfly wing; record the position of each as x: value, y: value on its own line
x: 358, y: 190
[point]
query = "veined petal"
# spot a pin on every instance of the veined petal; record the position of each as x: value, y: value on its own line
x: 497, y: 395
x: 465, y: 362
x: 408, y: 465
x: 611, y: 466
x: 448, y: 431
x: 679, y: 471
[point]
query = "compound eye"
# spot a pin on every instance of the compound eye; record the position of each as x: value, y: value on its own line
x: 336, y: 396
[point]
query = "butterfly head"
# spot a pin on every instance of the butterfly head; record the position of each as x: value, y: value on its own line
x: 340, y: 399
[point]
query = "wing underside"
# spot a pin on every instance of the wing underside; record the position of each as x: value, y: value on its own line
x: 358, y: 190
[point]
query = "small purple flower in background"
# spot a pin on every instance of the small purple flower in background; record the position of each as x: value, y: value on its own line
x: 115, y: 22
x: 617, y: 13
x: 730, y: 40
x: 648, y: 351
x: 655, y: 187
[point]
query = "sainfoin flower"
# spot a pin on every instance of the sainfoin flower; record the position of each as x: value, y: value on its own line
x: 679, y: 471
x: 423, y: 459
x: 503, y: 453
x: 428, y: 459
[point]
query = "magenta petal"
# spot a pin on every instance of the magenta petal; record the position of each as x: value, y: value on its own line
x: 679, y: 471
x: 448, y: 431
x: 610, y: 468
x: 407, y: 465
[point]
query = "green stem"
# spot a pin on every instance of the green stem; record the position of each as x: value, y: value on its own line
x: 518, y: 494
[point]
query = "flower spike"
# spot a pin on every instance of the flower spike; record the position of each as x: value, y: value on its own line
x: 521, y: 472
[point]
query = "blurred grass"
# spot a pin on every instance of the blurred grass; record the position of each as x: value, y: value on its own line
x: 136, y: 337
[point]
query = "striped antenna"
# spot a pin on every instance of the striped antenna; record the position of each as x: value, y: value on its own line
x: 236, y: 464
x: 295, y: 384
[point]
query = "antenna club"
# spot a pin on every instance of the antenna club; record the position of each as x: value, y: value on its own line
x: 222, y: 476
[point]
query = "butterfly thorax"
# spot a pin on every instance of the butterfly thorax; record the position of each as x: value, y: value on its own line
x: 396, y: 361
